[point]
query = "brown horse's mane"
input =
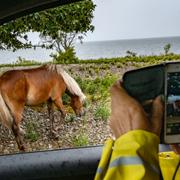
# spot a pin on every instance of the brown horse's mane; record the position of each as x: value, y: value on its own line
x: 71, y: 84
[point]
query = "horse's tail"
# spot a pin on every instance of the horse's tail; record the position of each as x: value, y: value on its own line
x: 5, y: 114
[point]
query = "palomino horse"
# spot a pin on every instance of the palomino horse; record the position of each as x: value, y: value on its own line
x: 32, y: 87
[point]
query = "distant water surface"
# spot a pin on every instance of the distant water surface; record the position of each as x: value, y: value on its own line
x: 150, y: 46
x: 101, y: 49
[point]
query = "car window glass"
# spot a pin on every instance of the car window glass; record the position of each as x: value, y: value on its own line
x: 95, y: 43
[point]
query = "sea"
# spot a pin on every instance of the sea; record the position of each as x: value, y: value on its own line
x: 99, y: 49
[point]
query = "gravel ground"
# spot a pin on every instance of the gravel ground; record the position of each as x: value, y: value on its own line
x: 69, y: 133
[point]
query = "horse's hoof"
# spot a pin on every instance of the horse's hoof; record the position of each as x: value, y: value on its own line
x: 22, y: 148
x: 22, y: 131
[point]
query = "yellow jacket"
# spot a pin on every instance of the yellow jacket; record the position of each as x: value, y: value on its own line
x: 135, y: 156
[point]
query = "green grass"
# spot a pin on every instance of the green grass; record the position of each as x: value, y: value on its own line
x: 31, y: 131
x: 81, y: 139
x: 70, y: 117
x: 102, y: 112
x: 98, y: 87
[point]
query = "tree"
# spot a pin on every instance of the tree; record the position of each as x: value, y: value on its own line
x: 58, y: 27
x: 167, y: 48
x: 131, y: 53
x: 13, y: 36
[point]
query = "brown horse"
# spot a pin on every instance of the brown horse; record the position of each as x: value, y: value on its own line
x: 32, y: 87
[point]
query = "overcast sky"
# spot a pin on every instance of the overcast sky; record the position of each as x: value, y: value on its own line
x: 129, y: 19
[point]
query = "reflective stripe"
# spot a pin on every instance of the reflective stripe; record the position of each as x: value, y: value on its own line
x: 132, y: 161
x: 126, y: 161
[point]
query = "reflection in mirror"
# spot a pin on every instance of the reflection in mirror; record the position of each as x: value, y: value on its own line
x: 94, y: 48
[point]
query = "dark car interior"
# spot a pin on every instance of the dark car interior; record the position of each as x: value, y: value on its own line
x: 13, y: 9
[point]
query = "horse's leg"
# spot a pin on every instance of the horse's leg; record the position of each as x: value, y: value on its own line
x: 17, y: 131
x: 51, y: 113
x: 18, y: 137
x: 58, y: 102
x: 54, y: 133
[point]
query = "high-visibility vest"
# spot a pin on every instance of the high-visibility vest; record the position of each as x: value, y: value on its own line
x: 168, y: 164
x: 135, y: 156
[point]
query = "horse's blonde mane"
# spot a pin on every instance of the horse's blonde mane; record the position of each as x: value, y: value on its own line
x: 71, y: 84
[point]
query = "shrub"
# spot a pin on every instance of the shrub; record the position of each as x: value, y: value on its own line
x: 23, y: 61
x: 98, y: 87
x: 80, y: 140
x: 131, y: 53
x: 102, y: 113
x: 70, y: 117
x: 66, y: 57
x: 167, y: 48
x: 31, y: 131
x: 97, y: 71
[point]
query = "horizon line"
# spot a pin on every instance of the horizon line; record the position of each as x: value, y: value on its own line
x: 126, y: 39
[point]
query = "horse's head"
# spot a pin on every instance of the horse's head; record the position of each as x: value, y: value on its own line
x: 77, y: 105
x: 75, y: 92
